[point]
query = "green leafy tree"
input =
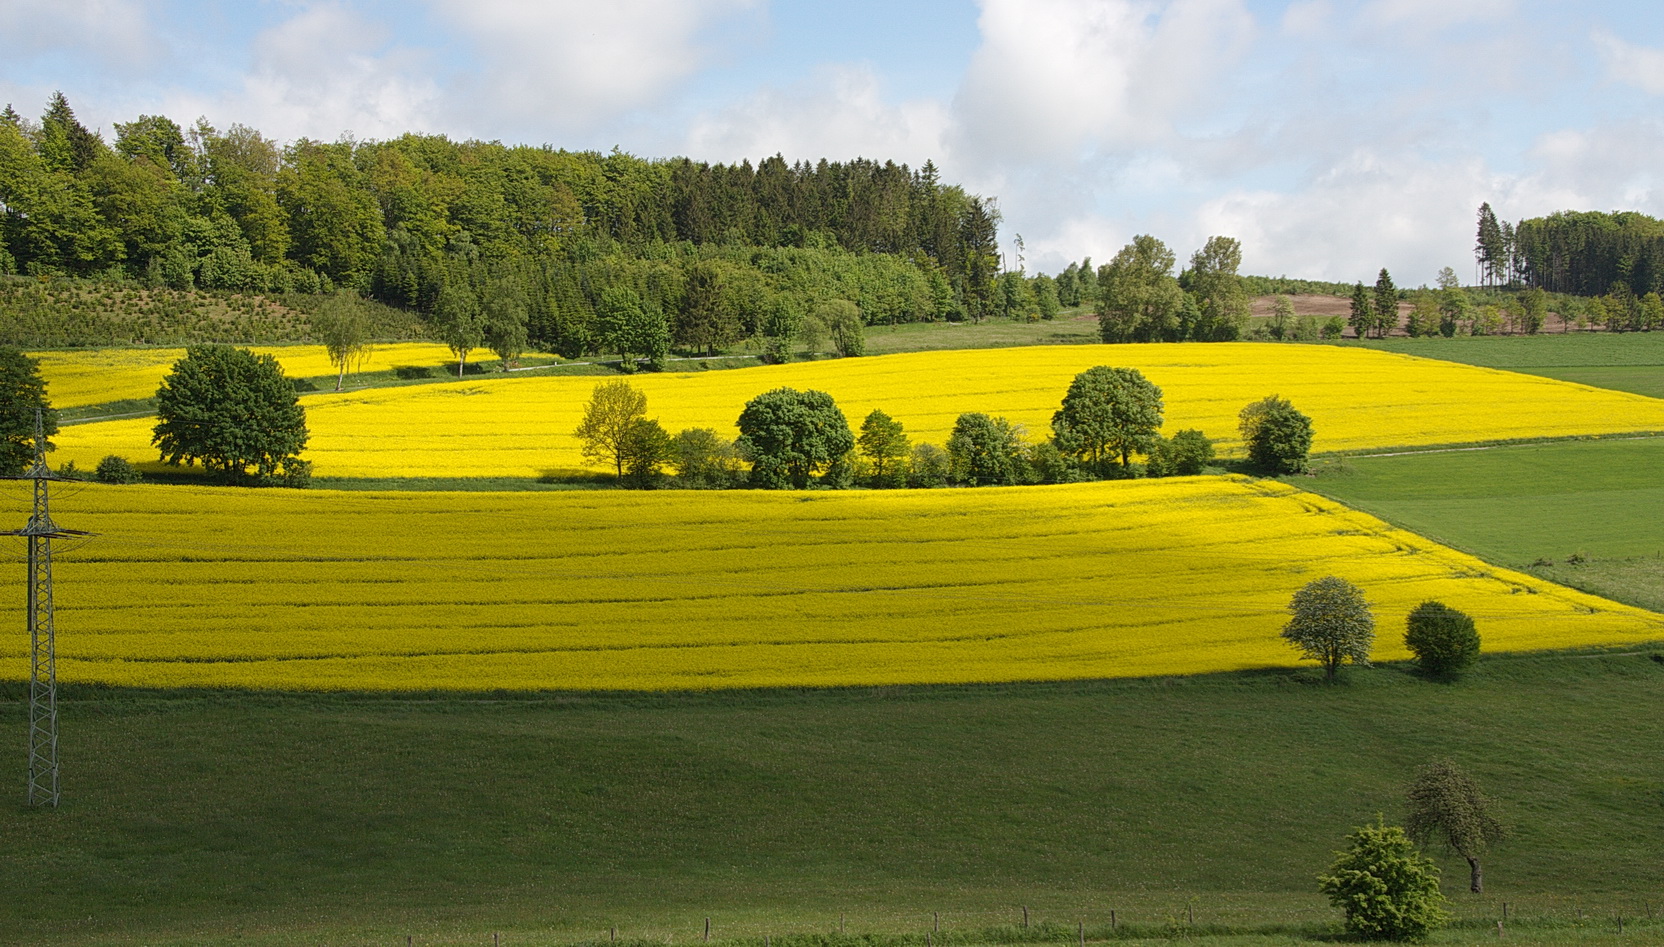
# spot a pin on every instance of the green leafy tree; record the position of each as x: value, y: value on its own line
x: 612, y: 408
x: 1331, y: 624
x: 1107, y: 412
x: 1443, y: 639
x: 884, y: 444
x: 1138, y: 297
x: 1424, y: 317
x: 344, y: 330
x: 1384, y: 305
x: 457, y: 320
x: 117, y: 470
x: 22, y: 399
x: 984, y: 451
x: 503, y: 319
x: 705, y: 460
x: 643, y: 450
x: 1453, y: 302
x: 1046, y: 302
x: 235, y: 413
x: 1278, y: 437
x: 842, y: 319
x: 1386, y: 888
x: 1219, y: 292
x: 1445, y: 803
x: 1533, y: 310
x: 782, y: 320
x: 1281, y: 323
x: 1186, y: 454
x: 928, y: 467
x: 791, y: 436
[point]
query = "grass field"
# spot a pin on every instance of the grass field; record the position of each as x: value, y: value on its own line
x: 193, y: 587
x: 1628, y: 361
x: 1539, y: 508
x: 495, y: 427
x: 291, y: 820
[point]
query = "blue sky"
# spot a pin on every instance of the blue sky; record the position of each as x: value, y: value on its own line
x: 1332, y: 137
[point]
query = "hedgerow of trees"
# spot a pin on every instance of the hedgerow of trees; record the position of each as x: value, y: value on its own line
x: 500, y: 246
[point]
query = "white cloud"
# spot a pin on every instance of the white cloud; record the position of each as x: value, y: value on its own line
x: 839, y: 113
x: 115, y: 31
x: 1056, y: 78
x: 565, y: 64
x: 1432, y: 15
x: 1638, y: 66
x: 324, y: 72
x: 1307, y: 19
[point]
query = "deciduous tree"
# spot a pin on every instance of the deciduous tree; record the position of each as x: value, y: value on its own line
x: 1107, y: 412
x: 1443, y: 639
x: 791, y: 436
x: 1278, y: 436
x: 344, y: 330
x: 233, y: 411
x: 1331, y: 624
x: 1138, y: 296
x: 612, y: 408
x: 22, y: 398
x: 1445, y: 803
x: 884, y: 444
x: 985, y: 451
x: 1386, y: 889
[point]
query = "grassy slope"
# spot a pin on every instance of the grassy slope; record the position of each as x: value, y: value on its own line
x: 1528, y: 507
x: 1625, y: 361
x: 307, y: 819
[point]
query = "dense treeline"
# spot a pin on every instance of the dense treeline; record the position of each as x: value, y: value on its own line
x: 1580, y: 253
x: 492, y: 241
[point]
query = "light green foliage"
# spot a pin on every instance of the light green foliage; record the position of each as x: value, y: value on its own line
x: 1186, y: 454
x: 791, y: 436
x: 885, y: 447
x: 1445, y: 803
x: 1443, y: 639
x: 1016, y: 297
x: 984, y: 451
x: 813, y: 332
x: 928, y: 466
x: 1045, y: 296
x: 1277, y: 436
x: 1333, y: 327
x: 457, y: 320
x: 644, y: 450
x: 343, y: 328
x: 782, y: 321
x: 842, y: 319
x: 1331, y: 624
x: 705, y: 460
x: 1219, y: 291
x: 1282, y: 318
x: 613, y: 407
x: 22, y: 397
x: 1424, y: 317
x: 503, y: 315
x: 1138, y: 297
x: 1533, y: 310
x: 631, y: 328
x: 233, y: 411
x: 1385, y: 887
x: 1107, y: 413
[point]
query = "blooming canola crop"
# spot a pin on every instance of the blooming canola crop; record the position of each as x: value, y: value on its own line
x: 326, y: 590
x: 78, y: 378
x: 522, y: 427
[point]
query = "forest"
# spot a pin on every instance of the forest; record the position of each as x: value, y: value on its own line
x: 572, y: 252
x: 1580, y: 253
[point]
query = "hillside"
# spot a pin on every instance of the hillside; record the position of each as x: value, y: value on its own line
x: 522, y: 427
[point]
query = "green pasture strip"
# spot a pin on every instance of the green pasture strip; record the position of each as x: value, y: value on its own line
x: 1623, y: 361
x: 1071, y: 327
x: 1584, y: 513
x: 289, y: 819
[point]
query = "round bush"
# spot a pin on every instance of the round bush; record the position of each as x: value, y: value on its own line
x: 115, y: 469
x: 1443, y: 639
x: 1387, y: 889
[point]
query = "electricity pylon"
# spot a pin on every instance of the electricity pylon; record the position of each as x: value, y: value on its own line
x: 43, y: 674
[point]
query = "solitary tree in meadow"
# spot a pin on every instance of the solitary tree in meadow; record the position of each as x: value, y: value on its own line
x: 605, y: 430
x: 1446, y: 803
x: 1331, y: 624
x: 791, y: 436
x: 233, y: 411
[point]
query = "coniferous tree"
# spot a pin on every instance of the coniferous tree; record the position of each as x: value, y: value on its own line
x: 1384, y: 305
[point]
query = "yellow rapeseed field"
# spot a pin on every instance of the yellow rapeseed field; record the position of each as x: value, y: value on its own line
x: 619, y: 590
x: 522, y: 427
x: 75, y: 379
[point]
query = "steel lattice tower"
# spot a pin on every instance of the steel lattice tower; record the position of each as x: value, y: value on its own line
x: 43, y: 675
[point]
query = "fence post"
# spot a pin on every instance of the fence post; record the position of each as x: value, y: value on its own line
x: 1111, y: 918
x: 707, y: 930
x: 1025, y: 916
x: 1082, y: 934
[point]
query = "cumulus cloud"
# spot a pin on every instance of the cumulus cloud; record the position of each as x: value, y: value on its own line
x: 1638, y: 66
x: 838, y: 113
x: 1430, y: 15
x: 326, y: 71
x: 570, y: 64
x: 1054, y: 78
